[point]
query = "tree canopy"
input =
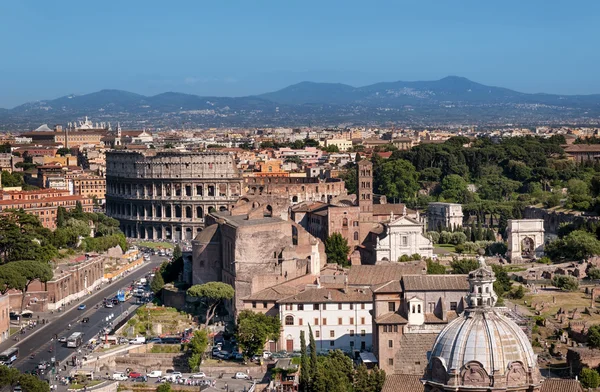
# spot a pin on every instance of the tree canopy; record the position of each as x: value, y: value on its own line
x: 211, y: 295
x: 254, y: 330
x: 197, y: 347
x: 337, y: 249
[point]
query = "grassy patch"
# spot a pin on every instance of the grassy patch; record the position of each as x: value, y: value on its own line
x: 89, y: 384
x: 14, y: 330
x: 561, y: 299
x: 156, y: 245
x: 166, y: 348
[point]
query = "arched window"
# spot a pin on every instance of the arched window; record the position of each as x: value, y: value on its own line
x: 487, y: 289
x: 419, y: 308
x: 356, y: 236
x: 289, y: 320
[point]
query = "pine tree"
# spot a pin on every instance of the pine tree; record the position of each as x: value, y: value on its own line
x: 313, y: 355
x: 304, y: 364
x: 60, y: 217
x: 157, y: 283
x: 362, y: 379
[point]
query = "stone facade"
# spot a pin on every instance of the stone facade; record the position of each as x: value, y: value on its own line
x: 166, y: 194
x: 444, y: 215
x: 525, y: 239
x: 403, y: 236
x: 298, y: 189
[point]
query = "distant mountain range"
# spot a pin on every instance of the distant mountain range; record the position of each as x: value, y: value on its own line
x: 451, y: 100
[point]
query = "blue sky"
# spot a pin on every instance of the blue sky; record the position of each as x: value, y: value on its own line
x: 53, y: 48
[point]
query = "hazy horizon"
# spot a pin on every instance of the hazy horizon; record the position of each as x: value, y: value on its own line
x: 240, y: 48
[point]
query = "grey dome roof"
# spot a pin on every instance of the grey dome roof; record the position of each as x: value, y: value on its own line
x: 485, y: 337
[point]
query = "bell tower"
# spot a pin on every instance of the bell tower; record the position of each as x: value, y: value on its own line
x: 365, y: 186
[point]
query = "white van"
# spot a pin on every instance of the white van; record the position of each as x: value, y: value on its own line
x: 154, y: 374
x: 138, y: 340
x: 119, y: 377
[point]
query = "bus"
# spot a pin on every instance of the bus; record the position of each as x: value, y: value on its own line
x: 75, y: 340
x: 7, y: 357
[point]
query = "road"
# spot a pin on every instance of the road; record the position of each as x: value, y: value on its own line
x: 38, y: 343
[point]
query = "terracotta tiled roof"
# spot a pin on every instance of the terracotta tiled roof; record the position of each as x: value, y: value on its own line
x: 560, y: 385
x: 385, y: 209
x: 325, y: 295
x: 435, y: 283
x: 382, y: 273
x: 392, y: 286
x: 391, y: 318
x: 582, y: 148
x: 431, y: 318
x: 274, y: 293
x: 403, y: 383
x: 411, y: 357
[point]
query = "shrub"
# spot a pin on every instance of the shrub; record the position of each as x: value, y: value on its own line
x: 434, y: 236
x: 594, y: 273
x: 458, y: 238
x: 566, y: 283
x: 544, y: 260
x: 589, y: 378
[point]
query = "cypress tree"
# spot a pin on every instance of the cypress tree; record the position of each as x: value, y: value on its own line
x: 304, y: 365
x: 473, y: 232
x: 313, y: 355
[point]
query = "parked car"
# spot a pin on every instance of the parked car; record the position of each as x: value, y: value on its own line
x: 81, y: 307
x: 17, y: 389
x: 154, y: 374
x: 63, y: 339
x: 241, y: 376
x: 138, y: 340
x: 108, y: 305
x: 238, y: 356
x: 135, y: 374
x: 198, y: 375
x: 141, y: 379
x: 119, y: 377
x: 85, y: 320
x: 155, y: 340
x: 175, y: 375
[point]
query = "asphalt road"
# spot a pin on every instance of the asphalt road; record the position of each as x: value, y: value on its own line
x: 38, y: 341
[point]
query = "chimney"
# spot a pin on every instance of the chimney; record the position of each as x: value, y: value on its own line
x: 329, y: 295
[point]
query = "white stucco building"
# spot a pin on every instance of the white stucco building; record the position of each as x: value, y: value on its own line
x: 339, y: 318
x: 402, y: 236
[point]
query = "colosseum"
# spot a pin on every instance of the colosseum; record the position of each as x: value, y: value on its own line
x: 166, y: 194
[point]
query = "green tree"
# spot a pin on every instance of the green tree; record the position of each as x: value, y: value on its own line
x: 503, y: 283
x: 165, y: 387
x: 9, y: 376
x: 31, y: 271
x: 337, y: 249
x: 589, y: 378
x: 60, y: 216
x: 335, y: 373
x: 397, y: 179
x: 519, y: 293
x: 362, y: 379
x: 312, y: 345
x: 304, y: 365
x: 197, y: 347
x: 11, y: 278
x: 211, y: 295
x: 377, y: 379
x: 254, y: 329
x: 463, y: 266
x: 157, y: 283
x: 565, y: 283
x: 454, y: 189
x: 435, y: 268
x: 593, y: 336
x: 177, y: 253
x: 594, y: 273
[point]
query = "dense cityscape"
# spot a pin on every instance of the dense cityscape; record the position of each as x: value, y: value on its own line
x: 296, y: 197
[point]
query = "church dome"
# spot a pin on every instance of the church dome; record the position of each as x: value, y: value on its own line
x: 483, y: 348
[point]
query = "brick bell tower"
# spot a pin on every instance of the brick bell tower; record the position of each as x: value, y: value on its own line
x: 365, y: 186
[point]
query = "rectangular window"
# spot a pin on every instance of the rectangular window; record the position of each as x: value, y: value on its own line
x: 404, y: 241
x: 315, y: 306
x: 391, y: 306
x: 363, y: 332
x: 362, y: 306
x: 431, y: 307
x: 324, y: 306
x: 288, y: 306
x: 351, y: 332
x: 300, y: 322
x: 351, y: 343
x: 391, y: 361
x: 352, y: 320
x: 395, y: 328
x: 332, y: 334
x: 339, y: 306
x: 340, y: 321
x: 453, y: 305
x: 390, y: 343
x: 332, y: 343
x: 316, y: 321
x: 254, y: 304
x: 324, y: 321
x: 351, y: 306
x: 362, y: 320
x: 317, y: 334
x: 265, y: 305
x: 300, y: 306
x: 385, y: 328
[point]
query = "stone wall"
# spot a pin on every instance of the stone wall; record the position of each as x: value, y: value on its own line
x: 553, y: 219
